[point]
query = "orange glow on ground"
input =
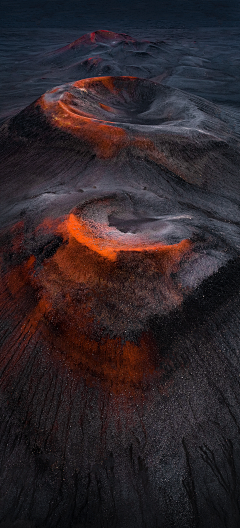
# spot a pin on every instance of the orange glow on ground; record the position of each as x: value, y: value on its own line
x: 96, y: 37
x: 109, y: 361
x: 108, y: 241
x: 104, y: 138
x: 104, y: 135
x: 94, y: 82
x: 107, y: 108
x: 104, y: 35
x: 44, y: 305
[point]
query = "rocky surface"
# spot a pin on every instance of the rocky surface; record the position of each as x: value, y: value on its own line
x: 119, y: 294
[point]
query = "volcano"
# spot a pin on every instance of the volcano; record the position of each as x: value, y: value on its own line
x: 119, y: 307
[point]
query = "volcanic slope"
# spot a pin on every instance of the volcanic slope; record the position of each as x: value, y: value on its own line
x: 119, y: 293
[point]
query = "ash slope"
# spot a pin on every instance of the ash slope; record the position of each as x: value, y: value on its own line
x: 125, y: 134
x: 99, y: 428
x: 156, y: 168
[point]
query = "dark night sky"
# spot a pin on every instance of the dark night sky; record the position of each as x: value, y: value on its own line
x: 140, y: 13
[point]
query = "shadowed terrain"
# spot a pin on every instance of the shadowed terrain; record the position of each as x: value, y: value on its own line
x: 203, y: 62
x: 119, y: 292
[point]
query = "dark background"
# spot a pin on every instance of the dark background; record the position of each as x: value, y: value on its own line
x: 119, y: 14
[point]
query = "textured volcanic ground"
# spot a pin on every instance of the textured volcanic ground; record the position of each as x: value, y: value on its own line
x: 203, y: 62
x: 119, y: 295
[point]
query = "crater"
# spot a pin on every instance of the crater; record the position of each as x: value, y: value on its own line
x: 115, y: 100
